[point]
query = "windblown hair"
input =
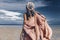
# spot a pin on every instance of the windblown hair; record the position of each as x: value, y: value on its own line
x: 28, y: 14
x: 29, y: 6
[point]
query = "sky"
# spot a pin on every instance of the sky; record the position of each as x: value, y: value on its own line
x: 11, y: 11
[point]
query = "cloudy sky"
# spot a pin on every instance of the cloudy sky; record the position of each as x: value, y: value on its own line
x: 11, y: 11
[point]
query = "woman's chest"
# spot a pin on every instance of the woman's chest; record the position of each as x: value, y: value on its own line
x: 31, y: 21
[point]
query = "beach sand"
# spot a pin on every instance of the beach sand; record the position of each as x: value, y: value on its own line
x: 13, y: 33
x: 56, y: 32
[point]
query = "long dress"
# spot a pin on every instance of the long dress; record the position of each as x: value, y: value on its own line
x: 29, y: 30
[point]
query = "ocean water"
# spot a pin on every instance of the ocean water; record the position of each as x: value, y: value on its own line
x: 11, y: 26
x: 12, y: 32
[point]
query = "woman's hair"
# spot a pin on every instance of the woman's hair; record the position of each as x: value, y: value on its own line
x: 30, y: 5
x: 28, y: 12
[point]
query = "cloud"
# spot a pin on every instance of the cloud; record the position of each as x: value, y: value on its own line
x: 50, y: 19
x: 53, y: 21
x: 12, y: 6
x: 15, y: 17
x: 9, y: 17
x: 19, y: 4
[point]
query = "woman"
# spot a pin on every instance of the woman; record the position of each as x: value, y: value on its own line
x: 35, y: 25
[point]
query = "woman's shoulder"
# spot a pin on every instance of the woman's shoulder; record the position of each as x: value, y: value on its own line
x: 43, y: 16
x: 38, y: 13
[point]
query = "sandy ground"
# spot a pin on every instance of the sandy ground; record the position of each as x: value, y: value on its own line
x: 13, y: 33
x: 9, y: 33
x: 56, y: 33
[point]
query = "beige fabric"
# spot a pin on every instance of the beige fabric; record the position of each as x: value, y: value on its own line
x: 36, y: 28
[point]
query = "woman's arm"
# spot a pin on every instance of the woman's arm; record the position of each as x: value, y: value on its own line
x: 40, y: 23
x: 48, y: 30
x: 36, y: 27
x: 25, y: 19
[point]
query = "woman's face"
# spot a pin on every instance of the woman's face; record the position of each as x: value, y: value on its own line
x: 30, y: 6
